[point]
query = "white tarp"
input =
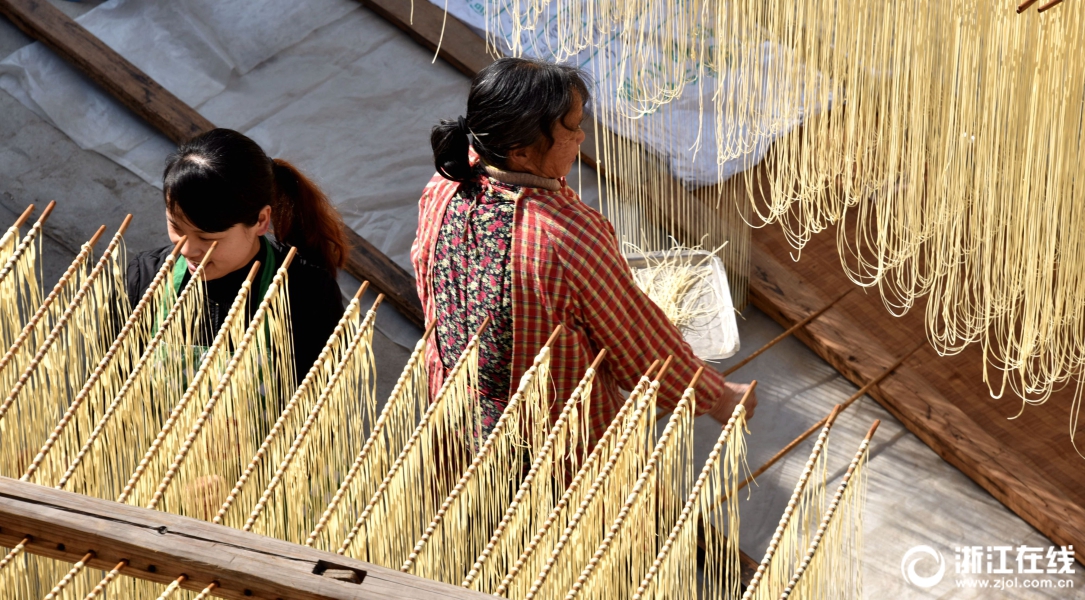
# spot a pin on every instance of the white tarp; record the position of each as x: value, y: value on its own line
x: 170, y: 41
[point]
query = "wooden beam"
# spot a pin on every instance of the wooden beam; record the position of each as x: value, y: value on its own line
x: 397, y: 284
x: 161, y: 546
x: 180, y: 122
x: 123, y: 80
x: 460, y: 46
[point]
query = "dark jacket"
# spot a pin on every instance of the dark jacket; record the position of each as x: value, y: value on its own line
x: 316, y: 303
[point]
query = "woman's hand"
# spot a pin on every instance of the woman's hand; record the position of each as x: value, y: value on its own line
x: 723, y: 410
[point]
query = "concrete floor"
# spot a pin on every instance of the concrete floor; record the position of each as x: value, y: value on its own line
x: 914, y: 497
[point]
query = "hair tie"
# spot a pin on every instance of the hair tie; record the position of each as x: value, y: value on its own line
x: 462, y: 122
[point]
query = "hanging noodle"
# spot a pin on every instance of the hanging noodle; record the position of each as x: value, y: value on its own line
x: 105, y: 382
x: 256, y: 384
x: 385, y: 531
x: 262, y: 469
x: 35, y: 331
x: 476, y: 504
x: 797, y: 525
x: 291, y: 502
x: 20, y: 293
x: 137, y: 411
x: 78, y: 341
x: 598, y: 506
x: 674, y: 572
x: 9, y: 241
x: 437, y: 450
x: 831, y: 566
x: 536, y: 495
x: 538, y: 550
x: 624, y: 556
x: 393, y: 429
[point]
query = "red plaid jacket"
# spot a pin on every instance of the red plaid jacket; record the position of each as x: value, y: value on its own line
x: 567, y: 270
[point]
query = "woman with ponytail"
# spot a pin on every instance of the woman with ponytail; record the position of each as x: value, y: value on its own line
x: 222, y: 187
x: 501, y: 235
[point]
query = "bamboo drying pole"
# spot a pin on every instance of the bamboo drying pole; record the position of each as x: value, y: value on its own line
x: 836, y: 412
x: 790, y: 330
x: 1048, y: 6
x: 829, y: 513
x: 23, y: 217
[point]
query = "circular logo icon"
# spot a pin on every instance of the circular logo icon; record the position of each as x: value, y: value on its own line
x: 915, y: 555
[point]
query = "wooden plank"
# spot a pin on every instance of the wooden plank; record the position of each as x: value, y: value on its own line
x: 397, y: 285
x: 180, y: 122
x: 161, y: 546
x: 123, y: 80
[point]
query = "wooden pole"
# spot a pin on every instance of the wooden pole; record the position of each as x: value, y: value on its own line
x: 839, y: 408
x: 159, y: 547
x: 553, y: 336
x: 23, y: 217
x: 790, y: 330
x: 1048, y: 6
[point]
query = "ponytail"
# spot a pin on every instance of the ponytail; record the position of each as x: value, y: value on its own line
x: 222, y: 178
x: 303, y: 217
x: 513, y: 103
x: 451, y: 146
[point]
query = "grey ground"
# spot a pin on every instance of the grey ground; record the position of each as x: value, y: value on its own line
x: 914, y: 497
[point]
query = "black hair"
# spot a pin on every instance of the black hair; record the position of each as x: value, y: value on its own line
x: 222, y: 178
x: 513, y: 104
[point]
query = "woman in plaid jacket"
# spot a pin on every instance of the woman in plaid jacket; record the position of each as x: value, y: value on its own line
x: 500, y: 234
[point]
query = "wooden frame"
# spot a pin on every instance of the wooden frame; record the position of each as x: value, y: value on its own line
x: 161, y: 546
